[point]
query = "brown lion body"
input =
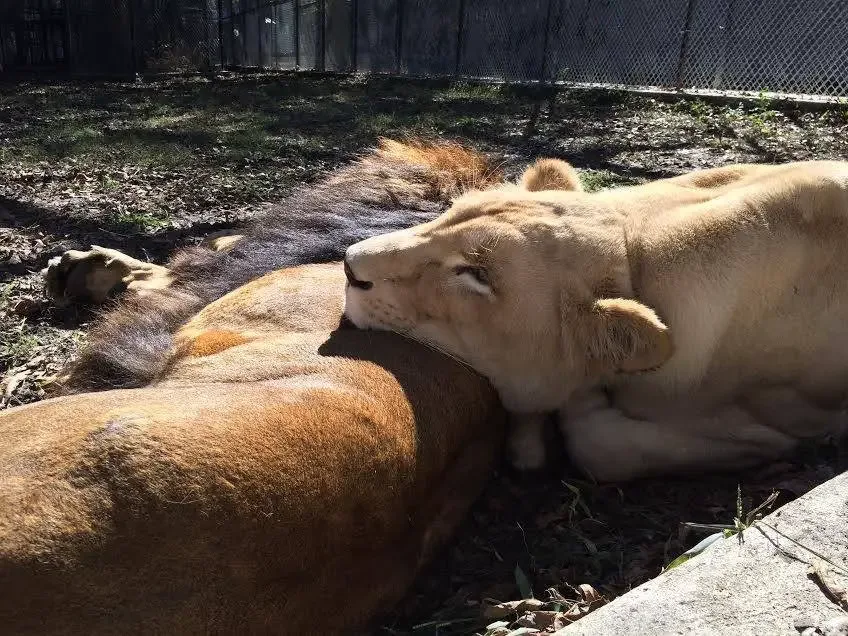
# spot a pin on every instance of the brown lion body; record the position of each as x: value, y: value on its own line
x: 277, y: 474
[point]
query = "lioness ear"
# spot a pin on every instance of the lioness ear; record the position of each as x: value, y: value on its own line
x: 550, y: 174
x: 628, y: 336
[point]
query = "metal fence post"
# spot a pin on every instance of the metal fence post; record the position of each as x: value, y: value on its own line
x: 684, y: 44
x: 322, y: 34
x: 221, y: 31
x: 259, y: 23
x: 543, y: 66
x: 207, y: 38
x: 460, y: 28
x: 133, y: 52
x: 69, y: 56
x: 296, y: 13
x: 398, y: 36
x: 244, y: 61
x: 354, y: 34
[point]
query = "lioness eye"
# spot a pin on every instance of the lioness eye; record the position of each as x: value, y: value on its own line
x: 478, y: 273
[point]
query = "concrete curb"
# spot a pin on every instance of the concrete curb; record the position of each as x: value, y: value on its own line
x: 759, y: 587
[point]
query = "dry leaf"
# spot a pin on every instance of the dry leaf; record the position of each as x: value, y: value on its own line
x: 589, y: 593
x: 835, y: 590
x: 13, y: 381
x: 539, y: 620
x: 573, y: 613
x: 495, y: 610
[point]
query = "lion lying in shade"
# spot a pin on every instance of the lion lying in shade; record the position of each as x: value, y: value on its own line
x: 227, y: 458
x: 689, y: 324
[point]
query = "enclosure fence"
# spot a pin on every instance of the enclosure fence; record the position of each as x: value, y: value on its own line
x: 109, y: 37
x: 789, y: 46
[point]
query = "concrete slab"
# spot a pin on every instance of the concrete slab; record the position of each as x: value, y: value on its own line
x: 759, y: 587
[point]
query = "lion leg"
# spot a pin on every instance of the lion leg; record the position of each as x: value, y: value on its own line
x: 526, y: 440
x: 610, y: 446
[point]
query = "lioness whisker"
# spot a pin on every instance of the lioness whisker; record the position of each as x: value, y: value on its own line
x: 434, y: 347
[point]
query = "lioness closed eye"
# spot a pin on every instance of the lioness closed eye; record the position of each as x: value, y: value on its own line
x: 693, y: 323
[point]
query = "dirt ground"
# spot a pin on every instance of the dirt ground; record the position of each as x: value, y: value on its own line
x: 149, y: 166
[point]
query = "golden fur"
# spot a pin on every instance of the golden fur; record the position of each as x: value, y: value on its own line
x: 688, y: 324
x: 278, y: 475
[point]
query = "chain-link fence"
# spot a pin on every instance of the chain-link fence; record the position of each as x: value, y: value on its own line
x: 743, y: 45
x: 788, y: 46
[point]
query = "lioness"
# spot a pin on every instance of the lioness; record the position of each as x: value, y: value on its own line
x: 692, y: 323
x: 227, y: 458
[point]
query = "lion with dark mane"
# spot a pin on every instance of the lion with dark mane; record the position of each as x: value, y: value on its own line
x: 227, y: 456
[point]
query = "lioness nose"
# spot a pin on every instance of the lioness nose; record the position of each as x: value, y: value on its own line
x: 353, y: 280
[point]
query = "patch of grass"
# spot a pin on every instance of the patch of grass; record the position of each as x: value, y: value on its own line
x: 762, y: 118
x: 108, y: 183
x: 697, y: 108
x: 741, y: 522
x: 595, y: 180
x: 139, y: 221
x: 19, y: 344
x: 378, y: 124
x: 465, y: 90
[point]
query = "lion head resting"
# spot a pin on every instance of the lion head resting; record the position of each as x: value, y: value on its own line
x: 464, y: 283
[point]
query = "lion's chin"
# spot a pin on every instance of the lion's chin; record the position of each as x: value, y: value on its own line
x: 355, y: 310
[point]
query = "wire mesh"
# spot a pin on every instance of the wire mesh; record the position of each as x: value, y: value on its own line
x: 174, y: 35
x: 635, y: 43
x: 309, y: 34
x: 792, y: 47
x: 430, y: 36
x: 503, y: 39
x: 33, y: 34
x: 100, y: 36
x: 749, y: 45
x: 338, y: 35
x: 377, y: 25
x: 770, y: 45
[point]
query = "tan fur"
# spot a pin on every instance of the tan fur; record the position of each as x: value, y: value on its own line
x: 208, y: 343
x: 222, y: 241
x: 456, y: 166
x: 550, y: 174
x: 711, y: 309
x: 282, y: 475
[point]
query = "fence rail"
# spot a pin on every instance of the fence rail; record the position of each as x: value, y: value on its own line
x: 788, y: 46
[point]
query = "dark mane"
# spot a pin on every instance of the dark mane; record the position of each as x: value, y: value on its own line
x: 394, y: 186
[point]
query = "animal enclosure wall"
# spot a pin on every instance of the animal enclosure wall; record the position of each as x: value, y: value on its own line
x: 111, y: 37
x: 753, y: 45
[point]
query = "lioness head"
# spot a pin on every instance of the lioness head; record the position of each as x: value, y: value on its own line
x: 529, y: 284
